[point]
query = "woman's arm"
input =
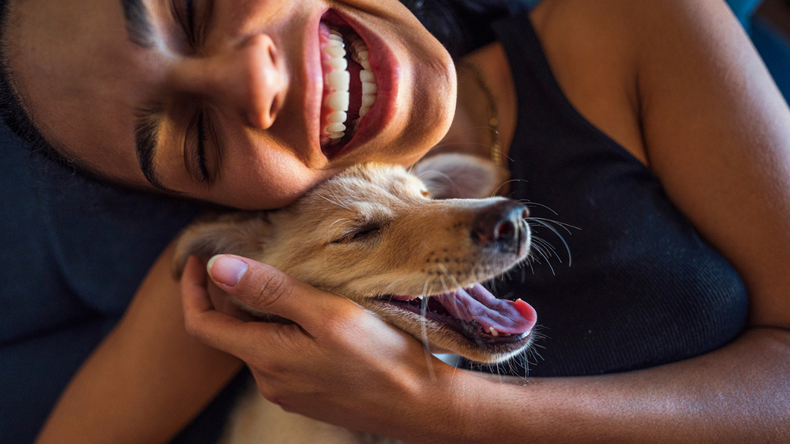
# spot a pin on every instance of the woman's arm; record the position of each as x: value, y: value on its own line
x: 716, y: 132
x: 738, y: 394
x: 147, y: 379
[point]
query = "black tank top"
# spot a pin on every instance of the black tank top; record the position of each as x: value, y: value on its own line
x: 643, y: 288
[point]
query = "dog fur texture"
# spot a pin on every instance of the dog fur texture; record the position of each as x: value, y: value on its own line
x: 381, y: 236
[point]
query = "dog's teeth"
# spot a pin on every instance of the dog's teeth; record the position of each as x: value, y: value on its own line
x: 493, y: 331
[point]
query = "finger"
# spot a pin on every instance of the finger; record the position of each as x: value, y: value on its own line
x: 200, y: 318
x: 249, y: 341
x: 268, y: 289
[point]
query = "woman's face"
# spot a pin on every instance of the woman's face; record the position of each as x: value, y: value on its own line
x: 229, y: 101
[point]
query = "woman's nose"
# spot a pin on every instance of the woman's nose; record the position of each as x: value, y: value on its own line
x: 250, y: 79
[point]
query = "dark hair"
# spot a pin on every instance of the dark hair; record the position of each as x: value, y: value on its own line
x: 460, y: 25
x: 12, y: 111
x: 463, y: 25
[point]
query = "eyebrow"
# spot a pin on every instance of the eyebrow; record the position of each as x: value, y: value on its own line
x: 146, y: 134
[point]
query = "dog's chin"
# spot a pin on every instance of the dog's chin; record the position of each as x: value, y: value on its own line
x: 443, y: 333
x: 468, y: 321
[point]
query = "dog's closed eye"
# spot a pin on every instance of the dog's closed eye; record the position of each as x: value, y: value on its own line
x: 358, y: 234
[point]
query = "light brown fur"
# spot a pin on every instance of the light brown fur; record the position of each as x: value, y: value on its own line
x: 375, y: 231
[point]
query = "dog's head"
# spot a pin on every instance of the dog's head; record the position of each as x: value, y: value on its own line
x: 390, y: 240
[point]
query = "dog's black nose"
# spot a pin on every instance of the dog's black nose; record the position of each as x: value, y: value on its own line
x: 501, y: 223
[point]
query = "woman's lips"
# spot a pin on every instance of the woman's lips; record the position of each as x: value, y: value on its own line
x: 343, y: 87
x: 384, y: 68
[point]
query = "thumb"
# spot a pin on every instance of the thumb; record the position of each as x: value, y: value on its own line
x: 267, y: 289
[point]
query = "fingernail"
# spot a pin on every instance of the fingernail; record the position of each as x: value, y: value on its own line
x: 226, y: 270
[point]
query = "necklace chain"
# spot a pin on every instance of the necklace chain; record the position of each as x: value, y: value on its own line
x: 495, y: 152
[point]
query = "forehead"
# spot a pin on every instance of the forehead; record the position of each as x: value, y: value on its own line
x: 78, y: 73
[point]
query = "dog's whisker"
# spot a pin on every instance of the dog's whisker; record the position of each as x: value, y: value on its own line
x: 424, y: 330
x: 507, y: 182
x: 531, y: 260
x: 447, y: 273
x: 562, y: 225
x: 567, y: 248
x: 343, y: 203
x: 390, y: 289
x: 538, y: 248
x: 545, y: 245
x: 444, y: 284
x: 529, y: 204
x: 335, y: 202
x: 545, y: 255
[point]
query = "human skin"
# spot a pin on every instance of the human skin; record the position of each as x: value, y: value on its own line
x: 715, y: 131
x: 255, y: 74
x: 706, y: 118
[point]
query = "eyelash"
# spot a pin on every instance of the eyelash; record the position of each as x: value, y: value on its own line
x: 184, y: 12
x: 185, y: 15
x: 190, y: 11
x: 200, y: 154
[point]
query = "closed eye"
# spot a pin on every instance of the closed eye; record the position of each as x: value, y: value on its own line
x: 195, y: 147
x: 365, y: 233
x: 359, y: 234
x: 184, y: 12
x: 194, y: 17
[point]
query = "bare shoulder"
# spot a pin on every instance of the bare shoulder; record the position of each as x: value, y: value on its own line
x: 593, y: 55
x: 713, y: 126
x: 598, y: 49
x: 629, y: 21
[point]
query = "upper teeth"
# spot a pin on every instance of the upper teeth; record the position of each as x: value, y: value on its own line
x: 339, y: 80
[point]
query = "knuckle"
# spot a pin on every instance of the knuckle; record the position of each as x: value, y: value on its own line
x: 334, y: 326
x: 343, y: 324
x: 271, y: 287
x: 193, y: 328
x: 191, y: 325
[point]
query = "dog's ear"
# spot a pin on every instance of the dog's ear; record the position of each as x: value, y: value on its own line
x: 240, y: 234
x: 454, y: 176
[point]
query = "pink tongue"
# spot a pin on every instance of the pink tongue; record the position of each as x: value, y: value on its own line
x: 480, y: 305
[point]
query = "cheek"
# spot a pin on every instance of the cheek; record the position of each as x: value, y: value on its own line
x: 267, y: 185
x: 257, y: 173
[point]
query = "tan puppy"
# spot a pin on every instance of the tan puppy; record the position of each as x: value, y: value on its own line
x: 402, y: 244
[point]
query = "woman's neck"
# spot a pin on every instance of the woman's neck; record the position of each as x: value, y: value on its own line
x: 482, y: 75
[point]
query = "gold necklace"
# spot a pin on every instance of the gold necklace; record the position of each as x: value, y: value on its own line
x: 495, y: 152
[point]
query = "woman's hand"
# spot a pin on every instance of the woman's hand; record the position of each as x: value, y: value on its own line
x: 337, y: 363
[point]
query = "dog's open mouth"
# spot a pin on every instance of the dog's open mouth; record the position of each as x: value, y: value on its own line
x: 473, y: 312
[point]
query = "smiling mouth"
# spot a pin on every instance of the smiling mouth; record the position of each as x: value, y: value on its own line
x: 350, y: 87
x: 474, y: 313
